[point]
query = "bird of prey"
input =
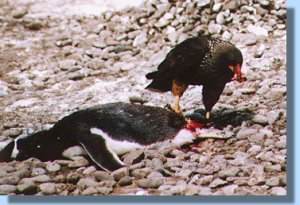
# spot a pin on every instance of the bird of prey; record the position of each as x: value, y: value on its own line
x: 207, y: 61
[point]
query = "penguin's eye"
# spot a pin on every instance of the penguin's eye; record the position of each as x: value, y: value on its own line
x: 38, y: 146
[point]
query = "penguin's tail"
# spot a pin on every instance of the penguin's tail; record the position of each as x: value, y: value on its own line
x: 6, y: 149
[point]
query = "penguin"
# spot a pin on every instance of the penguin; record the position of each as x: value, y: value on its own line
x: 105, y: 132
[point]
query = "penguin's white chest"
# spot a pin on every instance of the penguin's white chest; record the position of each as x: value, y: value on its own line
x: 117, y: 146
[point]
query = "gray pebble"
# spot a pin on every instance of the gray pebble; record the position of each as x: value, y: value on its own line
x: 273, y: 181
x: 83, y: 183
x: 217, y: 182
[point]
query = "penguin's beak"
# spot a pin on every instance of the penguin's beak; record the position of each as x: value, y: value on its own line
x: 236, y: 69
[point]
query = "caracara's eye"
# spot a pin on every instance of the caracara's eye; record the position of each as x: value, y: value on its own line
x: 38, y: 146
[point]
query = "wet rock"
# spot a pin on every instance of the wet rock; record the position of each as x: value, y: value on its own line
x: 48, y: 188
x: 278, y: 191
x: 6, y: 189
x: 125, y: 181
x: 152, y: 183
x: 217, y: 182
x: 119, y: 173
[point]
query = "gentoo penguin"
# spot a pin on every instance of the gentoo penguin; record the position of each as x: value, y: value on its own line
x: 104, y: 131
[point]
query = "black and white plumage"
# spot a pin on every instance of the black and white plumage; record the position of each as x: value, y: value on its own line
x: 105, y: 132
x: 206, y: 61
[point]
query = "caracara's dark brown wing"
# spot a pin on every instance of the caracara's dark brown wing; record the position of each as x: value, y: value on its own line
x: 179, y: 64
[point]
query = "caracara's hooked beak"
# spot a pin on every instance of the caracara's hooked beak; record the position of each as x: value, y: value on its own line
x: 236, y: 69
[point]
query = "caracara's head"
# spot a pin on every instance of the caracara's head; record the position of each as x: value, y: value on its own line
x: 230, y: 58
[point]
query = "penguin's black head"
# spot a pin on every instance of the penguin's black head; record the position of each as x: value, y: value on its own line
x: 41, y: 145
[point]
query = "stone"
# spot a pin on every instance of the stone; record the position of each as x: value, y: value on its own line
x: 203, y: 3
x: 273, y: 116
x: 19, y: 13
x: 229, y: 172
x: 246, y: 132
x: 229, y: 189
x: 89, y: 170
x: 40, y: 178
x: 83, y: 183
x: 260, y: 51
x: 150, y: 183
x: 260, y: 119
x: 276, y: 93
x: 6, y: 189
x: 217, y: 7
x: 257, y: 30
x: 141, y: 173
x: 220, y: 18
x: 140, y: 40
x: 48, y: 188
x: 227, y: 36
x: 231, y: 5
x: 157, y: 164
x: 12, y: 179
x: 125, y: 181
x: 78, y: 162
x: 273, y: 181
x: 3, y: 89
x: 102, y: 175
x: 53, y: 166
x: 33, y: 24
x: 278, y: 191
x: 134, y: 157
x: 249, y: 39
x: 214, y: 28
x: 119, y: 173
x: 27, y: 188
x: 217, y: 182
x: 205, y: 180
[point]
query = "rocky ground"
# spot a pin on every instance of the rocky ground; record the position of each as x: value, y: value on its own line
x: 54, y: 63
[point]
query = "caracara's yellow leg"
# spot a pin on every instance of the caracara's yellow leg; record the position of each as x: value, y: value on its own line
x: 178, y: 89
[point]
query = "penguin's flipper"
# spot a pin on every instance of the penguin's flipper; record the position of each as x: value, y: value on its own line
x: 5, y: 153
x: 100, y: 153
